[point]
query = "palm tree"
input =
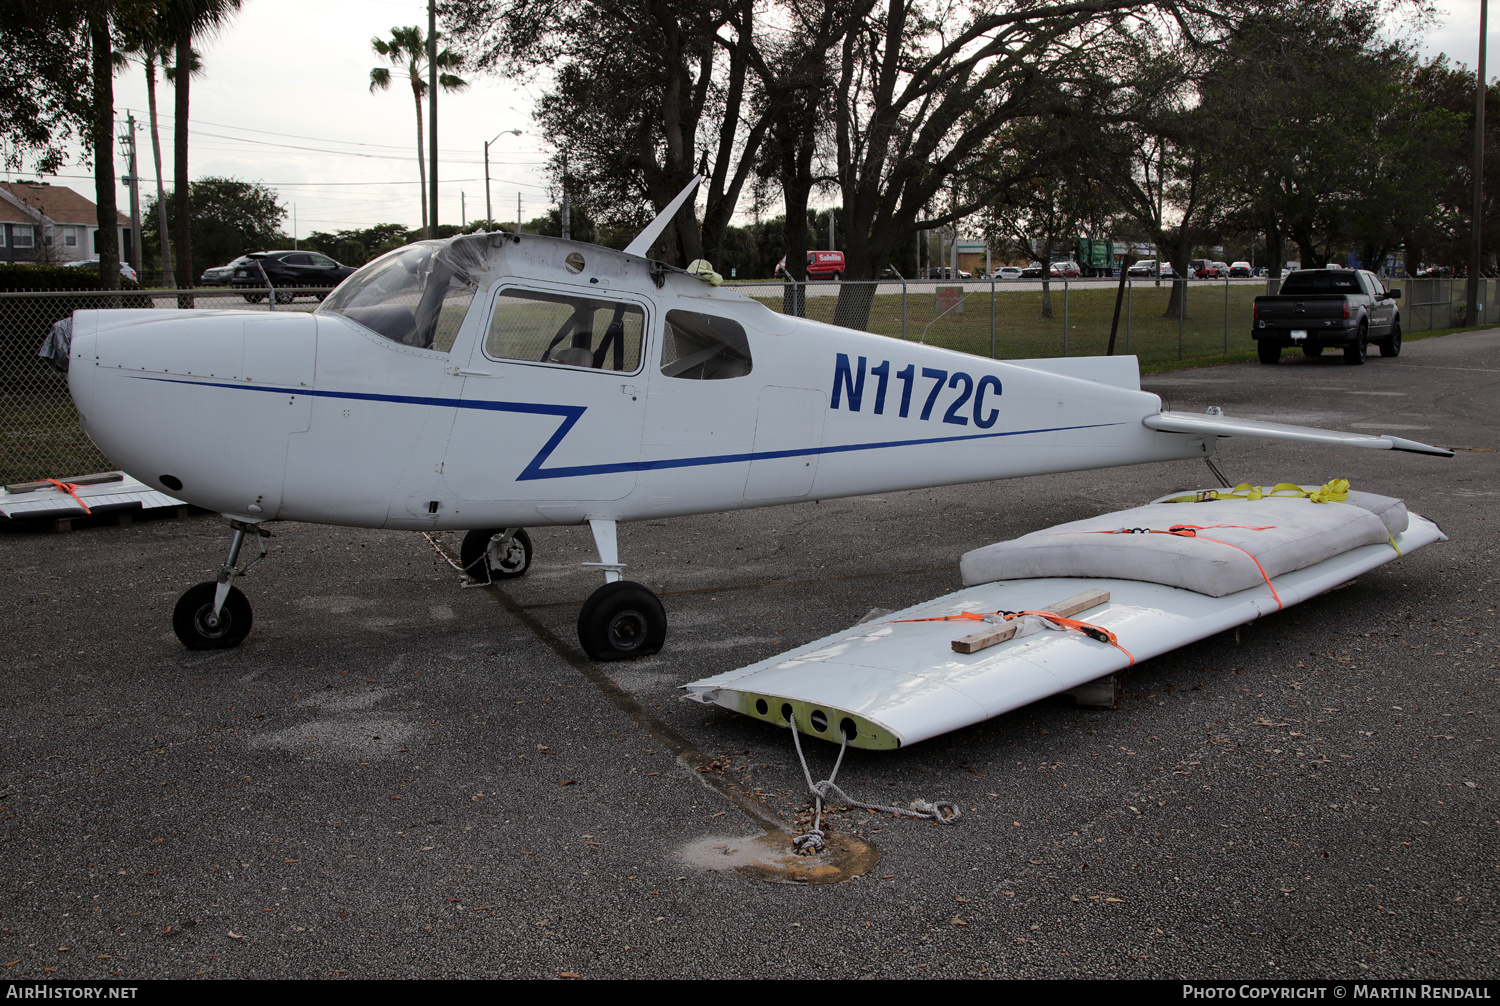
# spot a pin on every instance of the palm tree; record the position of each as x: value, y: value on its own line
x: 407, y: 47
x: 152, y: 49
x: 187, y: 20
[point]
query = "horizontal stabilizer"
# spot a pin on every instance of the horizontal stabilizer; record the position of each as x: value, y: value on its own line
x: 1223, y: 426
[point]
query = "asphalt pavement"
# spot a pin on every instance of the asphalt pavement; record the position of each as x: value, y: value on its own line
x: 395, y: 777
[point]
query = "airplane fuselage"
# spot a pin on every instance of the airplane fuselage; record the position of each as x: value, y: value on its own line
x: 559, y: 383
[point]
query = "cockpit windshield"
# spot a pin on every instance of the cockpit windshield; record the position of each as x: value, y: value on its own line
x: 417, y: 295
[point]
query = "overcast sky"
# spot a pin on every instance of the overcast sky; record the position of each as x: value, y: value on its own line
x: 285, y: 100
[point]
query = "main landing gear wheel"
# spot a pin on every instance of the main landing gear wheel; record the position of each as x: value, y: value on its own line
x: 621, y: 621
x: 194, y: 622
x: 504, y: 557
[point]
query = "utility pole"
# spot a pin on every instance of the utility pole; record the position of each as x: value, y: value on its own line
x: 1471, y: 316
x: 463, y: 208
x: 134, y: 181
x: 294, y: 226
x: 564, y: 213
x: 518, y: 212
x: 432, y: 133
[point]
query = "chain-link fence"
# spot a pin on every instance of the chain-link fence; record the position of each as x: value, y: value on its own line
x: 1009, y: 319
x: 41, y: 434
x: 999, y: 319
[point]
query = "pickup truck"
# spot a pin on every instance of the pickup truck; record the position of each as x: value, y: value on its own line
x: 1318, y: 308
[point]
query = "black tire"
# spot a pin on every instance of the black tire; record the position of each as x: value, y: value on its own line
x: 1311, y: 350
x: 622, y: 621
x: 1268, y: 351
x: 1391, y: 345
x: 253, y: 298
x: 1356, y: 351
x: 838, y: 277
x: 285, y: 298
x: 474, y: 555
x: 189, y: 618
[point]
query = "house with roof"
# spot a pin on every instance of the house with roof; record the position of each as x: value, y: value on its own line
x: 41, y: 222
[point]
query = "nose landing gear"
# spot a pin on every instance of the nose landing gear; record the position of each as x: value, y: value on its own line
x: 216, y: 615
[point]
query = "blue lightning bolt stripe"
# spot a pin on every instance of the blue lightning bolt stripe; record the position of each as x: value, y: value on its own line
x: 571, y: 414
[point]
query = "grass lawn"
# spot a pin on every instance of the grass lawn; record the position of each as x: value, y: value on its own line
x: 40, y: 437
x: 1020, y: 331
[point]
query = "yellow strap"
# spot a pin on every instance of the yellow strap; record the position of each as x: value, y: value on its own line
x: 1335, y: 491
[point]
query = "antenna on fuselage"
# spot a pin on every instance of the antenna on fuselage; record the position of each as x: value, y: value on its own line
x: 646, y: 238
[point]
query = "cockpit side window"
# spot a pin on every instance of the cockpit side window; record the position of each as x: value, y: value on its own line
x: 539, y: 327
x: 702, y: 347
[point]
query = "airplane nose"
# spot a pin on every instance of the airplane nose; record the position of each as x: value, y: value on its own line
x: 199, y: 403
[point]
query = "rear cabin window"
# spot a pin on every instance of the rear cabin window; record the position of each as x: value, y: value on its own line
x: 569, y: 331
x: 702, y: 347
x: 1317, y: 282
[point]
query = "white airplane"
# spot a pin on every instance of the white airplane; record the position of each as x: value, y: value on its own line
x: 494, y: 382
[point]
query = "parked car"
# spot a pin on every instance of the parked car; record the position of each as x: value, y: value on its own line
x: 287, y: 269
x: 1318, y: 308
x: 1202, y: 268
x: 1223, y: 268
x: 946, y: 272
x: 1145, y: 267
x: 1033, y: 271
x: 1006, y: 272
x: 1066, y: 270
x: 820, y: 265
x: 221, y: 275
x: 1166, y: 270
x: 94, y: 264
x: 1238, y: 270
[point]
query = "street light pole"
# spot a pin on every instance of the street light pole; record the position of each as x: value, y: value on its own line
x: 1472, y: 313
x: 489, y: 214
x: 432, y: 123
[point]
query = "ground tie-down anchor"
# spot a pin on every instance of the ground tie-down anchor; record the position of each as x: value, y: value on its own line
x: 813, y: 840
x: 227, y: 572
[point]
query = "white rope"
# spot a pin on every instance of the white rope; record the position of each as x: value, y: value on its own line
x: 813, y: 841
x: 468, y: 579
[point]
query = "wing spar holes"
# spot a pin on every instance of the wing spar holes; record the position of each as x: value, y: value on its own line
x: 762, y: 707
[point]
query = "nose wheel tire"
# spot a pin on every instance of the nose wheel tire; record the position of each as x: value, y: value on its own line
x: 621, y: 621
x: 193, y: 617
x: 505, y: 559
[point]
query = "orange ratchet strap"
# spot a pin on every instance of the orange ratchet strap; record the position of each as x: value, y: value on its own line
x: 1095, y: 632
x: 68, y: 488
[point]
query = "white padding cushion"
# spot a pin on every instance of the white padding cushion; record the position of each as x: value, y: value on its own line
x: 1297, y: 533
x: 1391, y: 511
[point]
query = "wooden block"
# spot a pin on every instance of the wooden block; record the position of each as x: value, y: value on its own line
x: 987, y: 637
x: 1101, y: 693
x: 1078, y: 602
x: 80, y: 480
